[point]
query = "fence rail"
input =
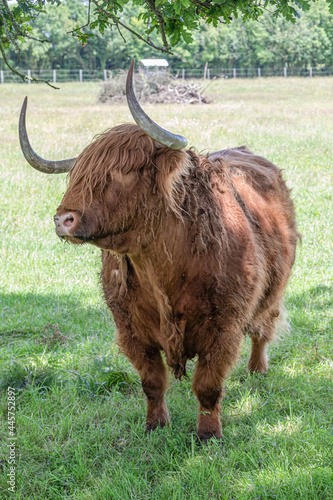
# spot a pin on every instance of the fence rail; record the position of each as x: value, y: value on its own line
x: 86, y: 75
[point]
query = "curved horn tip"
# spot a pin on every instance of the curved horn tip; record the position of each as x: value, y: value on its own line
x: 145, y: 123
x: 46, y: 166
x: 131, y: 69
x: 24, y: 105
x: 129, y: 79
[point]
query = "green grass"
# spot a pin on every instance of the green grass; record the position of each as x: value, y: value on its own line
x: 79, y: 409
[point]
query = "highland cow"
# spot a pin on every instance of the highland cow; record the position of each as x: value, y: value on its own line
x: 196, y: 252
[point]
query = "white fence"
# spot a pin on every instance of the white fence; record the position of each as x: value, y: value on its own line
x: 86, y: 75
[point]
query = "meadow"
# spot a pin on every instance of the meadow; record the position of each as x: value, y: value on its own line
x: 80, y: 410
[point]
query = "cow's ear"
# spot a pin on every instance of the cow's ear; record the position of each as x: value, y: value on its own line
x: 170, y: 166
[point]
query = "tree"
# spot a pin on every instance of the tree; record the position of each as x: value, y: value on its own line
x: 267, y: 43
x: 270, y: 43
x: 167, y: 23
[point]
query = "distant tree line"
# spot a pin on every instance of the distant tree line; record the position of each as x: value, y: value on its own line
x: 269, y: 42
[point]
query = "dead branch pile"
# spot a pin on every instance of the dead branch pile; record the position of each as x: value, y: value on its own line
x: 182, y: 92
x: 155, y: 88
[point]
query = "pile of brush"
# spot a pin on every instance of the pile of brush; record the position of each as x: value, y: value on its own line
x: 156, y: 88
x: 178, y: 92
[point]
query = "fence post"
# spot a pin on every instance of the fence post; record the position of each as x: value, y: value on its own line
x: 208, y: 73
x: 105, y: 75
x: 205, y: 70
x: 80, y: 75
x: 234, y: 72
x: 311, y: 72
x: 183, y: 74
x: 285, y: 71
x: 29, y: 75
x: 54, y: 76
x: 2, y: 76
x: 259, y: 72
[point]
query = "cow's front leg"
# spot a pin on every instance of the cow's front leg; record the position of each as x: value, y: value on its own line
x: 208, y: 384
x: 154, y: 383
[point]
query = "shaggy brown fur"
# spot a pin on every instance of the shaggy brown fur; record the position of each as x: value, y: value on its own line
x: 196, y: 252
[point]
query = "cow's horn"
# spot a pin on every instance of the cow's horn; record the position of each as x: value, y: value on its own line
x: 49, y: 167
x: 146, y: 124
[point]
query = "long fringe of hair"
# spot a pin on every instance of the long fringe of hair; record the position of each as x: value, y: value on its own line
x: 125, y: 149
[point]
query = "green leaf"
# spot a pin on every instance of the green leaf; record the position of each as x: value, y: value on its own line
x: 187, y: 37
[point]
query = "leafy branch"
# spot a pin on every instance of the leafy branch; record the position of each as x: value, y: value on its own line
x: 166, y: 22
x: 15, y: 26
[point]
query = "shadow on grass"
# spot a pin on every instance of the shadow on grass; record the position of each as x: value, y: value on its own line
x: 26, y: 314
x: 41, y: 336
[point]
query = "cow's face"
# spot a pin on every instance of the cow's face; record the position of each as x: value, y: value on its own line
x: 118, y: 189
x: 108, y: 222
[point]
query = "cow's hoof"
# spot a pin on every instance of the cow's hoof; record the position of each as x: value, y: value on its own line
x: 152, y: 426
x: 206, y: 436
x: 258, y: 364
x: 163, y: 421
x: 258, y: 368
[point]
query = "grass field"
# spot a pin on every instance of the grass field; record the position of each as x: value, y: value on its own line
x: 80, y: 411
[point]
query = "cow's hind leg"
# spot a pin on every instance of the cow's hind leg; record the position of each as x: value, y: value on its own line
x: 262, y: 332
